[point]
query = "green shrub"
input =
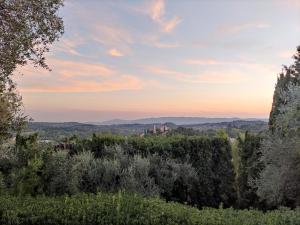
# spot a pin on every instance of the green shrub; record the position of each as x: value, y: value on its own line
x: 122, y: 209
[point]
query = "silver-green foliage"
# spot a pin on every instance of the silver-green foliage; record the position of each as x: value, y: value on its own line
x: 117, y: 172
x: 142, y: 182
x: 59, y: 178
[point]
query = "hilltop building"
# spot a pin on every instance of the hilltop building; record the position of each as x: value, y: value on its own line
x: 162, y: 129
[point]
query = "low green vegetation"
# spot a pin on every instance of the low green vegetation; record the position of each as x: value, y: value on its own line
x: 120, y: 208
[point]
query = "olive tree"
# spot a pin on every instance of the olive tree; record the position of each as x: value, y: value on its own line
x: 27, y: 29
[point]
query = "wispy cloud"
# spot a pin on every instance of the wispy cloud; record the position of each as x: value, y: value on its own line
x: 203, y: 62
x: 112, y: 36
x: 115, y: 53
x: 97, y: 26
x: 68, y: 69
x: 237, y: 28
x: 153, y: 40
x: 69, y: 45
x: 169, y: 25
x: 166, y: 45
x: 230, y: 72
x: 165, y: 72
x: 157, y: 14
x: 157, y: 10
x: 125, y: 82
x: 211, y: 77
x: 246, y: 65
x: 217, y: 77
x: 70, y: 76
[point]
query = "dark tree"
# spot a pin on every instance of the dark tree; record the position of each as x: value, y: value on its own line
x: 249, y: 169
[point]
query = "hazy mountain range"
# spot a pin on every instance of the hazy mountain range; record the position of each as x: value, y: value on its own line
x: 56, y: 131
x: 174, y: 120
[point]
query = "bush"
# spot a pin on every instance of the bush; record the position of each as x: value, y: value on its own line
x: 58, y: 176
x: 117, y: 209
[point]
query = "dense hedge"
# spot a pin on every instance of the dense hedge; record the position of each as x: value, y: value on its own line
x: 110, y: 209
x: 210, y: 158
x: 178, y: 146
x: 194, y: 170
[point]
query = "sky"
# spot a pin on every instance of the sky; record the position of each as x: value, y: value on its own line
x: 132, y: 59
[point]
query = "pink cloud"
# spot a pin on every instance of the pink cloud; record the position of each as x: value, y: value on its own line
x: 262, y: 68
x: 164, y: 71
x: 115, y: 53
x: 157, y: 14
x: 166, y: 45
x: 169, y: 25
x: 217, y: 77
x: 124, y: 82
x: 157, y: 10
x: 68, y: 69
x: 154, y: 41
x: 78, y: 77
x: 99, y: 25
x: 69, y: 45
x: 203, y: 62
x: 213, y: 77
x: 111, y: 35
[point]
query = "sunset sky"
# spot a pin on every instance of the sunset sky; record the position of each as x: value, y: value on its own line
x: 131, y: 59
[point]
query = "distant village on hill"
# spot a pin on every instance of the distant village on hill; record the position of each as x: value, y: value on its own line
x: 161, y: 129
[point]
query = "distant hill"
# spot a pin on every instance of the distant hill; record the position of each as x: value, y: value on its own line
x: 50, y: 131
x: 175, y: 120
x: 254, y: 126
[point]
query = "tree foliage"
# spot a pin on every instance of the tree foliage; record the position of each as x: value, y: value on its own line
x: 27, y: 28
x: 279, y: 182
x: 289, y: 76
x: 249, y: 167
x: 11, y: 113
